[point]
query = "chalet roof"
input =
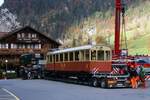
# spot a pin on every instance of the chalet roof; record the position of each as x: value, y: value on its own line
x: 27, y: 27
x: 2, y: 34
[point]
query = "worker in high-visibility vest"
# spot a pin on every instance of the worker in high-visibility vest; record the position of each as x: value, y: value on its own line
x: 133, y: 76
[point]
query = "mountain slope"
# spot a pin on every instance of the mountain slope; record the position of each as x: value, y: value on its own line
x: 55, y: 16
x: 79, y: 22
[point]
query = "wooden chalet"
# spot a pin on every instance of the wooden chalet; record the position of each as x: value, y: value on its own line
x: 21, y: 41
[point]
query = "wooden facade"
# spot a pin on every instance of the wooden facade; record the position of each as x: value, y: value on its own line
x: 21, y: 41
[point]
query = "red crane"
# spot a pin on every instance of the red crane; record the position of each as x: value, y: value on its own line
x: 117, y: 27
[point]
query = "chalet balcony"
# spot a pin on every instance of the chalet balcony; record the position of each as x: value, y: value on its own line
x: 10, y: 60
x: 20, y: 51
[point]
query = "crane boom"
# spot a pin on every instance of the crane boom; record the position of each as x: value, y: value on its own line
x: 117, y: 27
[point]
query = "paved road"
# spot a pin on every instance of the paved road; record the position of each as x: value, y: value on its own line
x: 7, y: 95
x: 51, y: 90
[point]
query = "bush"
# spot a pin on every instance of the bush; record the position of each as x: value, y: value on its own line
x: 1, y: 74
x: 11, y: 74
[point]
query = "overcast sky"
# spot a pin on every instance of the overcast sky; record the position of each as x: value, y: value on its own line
x: 1, y: 2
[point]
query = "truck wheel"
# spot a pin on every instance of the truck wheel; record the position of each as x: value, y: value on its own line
x: 103, y: 84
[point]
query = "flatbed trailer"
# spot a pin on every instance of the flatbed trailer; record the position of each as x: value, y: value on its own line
x: 110, y: 80
x: 113, y: 78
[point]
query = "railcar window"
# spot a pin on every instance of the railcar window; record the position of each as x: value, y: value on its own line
x: 77, y: 55
x: 100, y: 55
x: 61, y: 57
x: 66, y: 57
x: 57, y: 57
x: 82, y: 55
x: 86, y: 54
x: 71, y: 56
x: 107, y: 55
x: 53, y: 58
x: 93, y: 55
x: 49, y: 58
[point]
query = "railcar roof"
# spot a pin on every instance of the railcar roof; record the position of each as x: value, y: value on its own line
x: 86, y: 47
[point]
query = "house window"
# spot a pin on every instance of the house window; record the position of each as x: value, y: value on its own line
x: 18, y: 35
x: 29, y: 35
x: 12, y: 45
x: 19, y: 46
x: 23, y: 35
x: 32, y: 46
x: 39, y: 46
x: 4, y: 46
x: 28, y: 46
x: 23, y: 46
x: 35, y: 46
x: 33, y: 35
x: 15, y: 46
x: 7, y: 46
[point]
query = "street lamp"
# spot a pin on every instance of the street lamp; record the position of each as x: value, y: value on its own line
x: 6, y: 61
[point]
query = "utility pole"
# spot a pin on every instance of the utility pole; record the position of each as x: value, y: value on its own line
x: 6, y: 61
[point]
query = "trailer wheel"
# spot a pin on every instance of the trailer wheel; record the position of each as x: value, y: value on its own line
x: 103, y: 83
x: 95, y: 82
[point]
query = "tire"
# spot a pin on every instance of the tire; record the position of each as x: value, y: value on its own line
x: 103, y: 83
x: 95, y: 82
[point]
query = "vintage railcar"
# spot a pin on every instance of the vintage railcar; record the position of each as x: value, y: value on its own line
x: 90, y: 62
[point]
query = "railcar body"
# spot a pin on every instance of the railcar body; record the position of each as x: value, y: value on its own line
x: 85, y: 59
